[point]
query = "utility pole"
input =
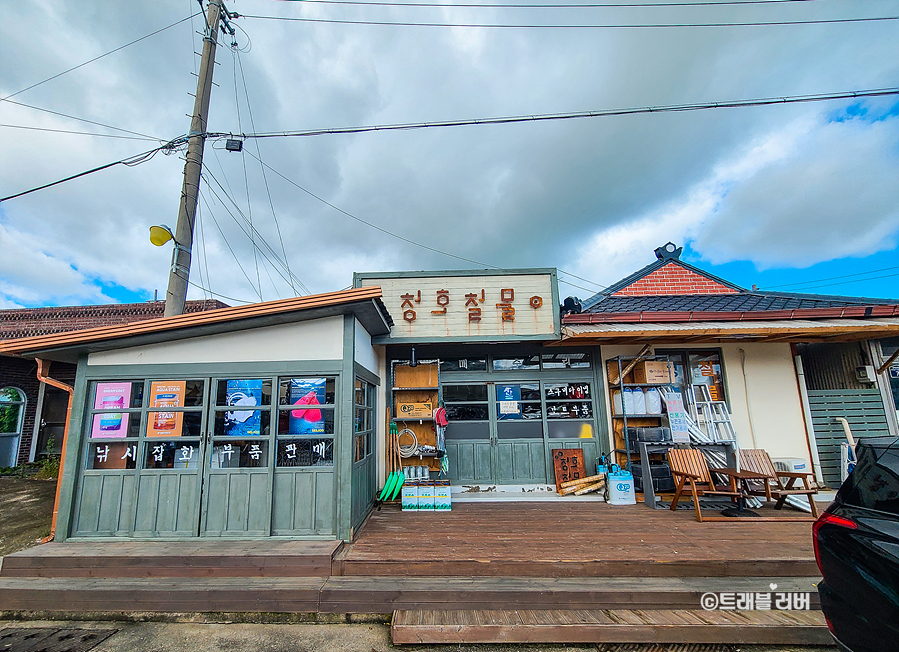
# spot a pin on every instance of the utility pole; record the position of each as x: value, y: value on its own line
x: 176, y: 294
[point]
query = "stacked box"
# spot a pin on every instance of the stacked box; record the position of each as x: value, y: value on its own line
x: 426, y: 494
x: 410, y: 497
x: 443, y: 496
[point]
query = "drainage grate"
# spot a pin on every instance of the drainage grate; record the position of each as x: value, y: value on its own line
x: 38, y: 639
x: 660, y: 647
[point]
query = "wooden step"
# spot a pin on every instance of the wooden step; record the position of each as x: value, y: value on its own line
x: 345, y: 564
x: 342, y: 595
x: 178, y: 595
x: 610, y: 626
x: 196, y: 558
x: 387, y: 594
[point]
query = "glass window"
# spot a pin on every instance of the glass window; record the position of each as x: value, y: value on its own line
x: 305, y: 452
x: 456, y: 393
x: 242, y: 423
x: 251, y: 453
x: 519, y: 430
x: 513, y: 404
x: 112, y: 455
x: 567, y: 391
x: 566, y: 360
x: 695, y: 368
x: 171, y: 454
x: 569, y: 410
x: 463, y: 364
x: 570, y: 429
x: 306, y: 391
x: 363, y: 419
x: 244, y: 393
x: 507, y: 364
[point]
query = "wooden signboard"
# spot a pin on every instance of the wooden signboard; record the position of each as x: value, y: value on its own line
x: 569, y: 465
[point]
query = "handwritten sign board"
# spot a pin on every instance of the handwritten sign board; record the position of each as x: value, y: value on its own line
x: 677, y: 417
x: 569, y: 465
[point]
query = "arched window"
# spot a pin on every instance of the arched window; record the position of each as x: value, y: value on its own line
x: 12, y: 415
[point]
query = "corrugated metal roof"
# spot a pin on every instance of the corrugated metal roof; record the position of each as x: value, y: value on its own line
x: 742, y: 326
x: 253, y: 311
x: 793, y: 330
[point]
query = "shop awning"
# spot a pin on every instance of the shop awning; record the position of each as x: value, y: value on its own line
x: 792, y: 330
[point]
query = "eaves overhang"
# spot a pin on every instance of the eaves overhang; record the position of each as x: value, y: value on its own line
x: 364, y: 303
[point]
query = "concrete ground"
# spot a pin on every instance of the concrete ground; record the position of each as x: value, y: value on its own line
x: 343, y: 637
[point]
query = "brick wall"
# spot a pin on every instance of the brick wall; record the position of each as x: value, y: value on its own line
x: 674, y: 279
x: 28, y: 322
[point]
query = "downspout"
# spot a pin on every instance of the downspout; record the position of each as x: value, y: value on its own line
x: 811, y: 440
x: 43, y: 367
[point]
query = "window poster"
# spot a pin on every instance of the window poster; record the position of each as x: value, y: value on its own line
x: 111, y: 396
x: 166, y: 394
x: 307, y: 392
x: 509, y: 398
x: 243, y: 422
x: 677, y: 417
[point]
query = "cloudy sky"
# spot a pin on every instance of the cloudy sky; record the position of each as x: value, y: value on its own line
x: 774, y: 196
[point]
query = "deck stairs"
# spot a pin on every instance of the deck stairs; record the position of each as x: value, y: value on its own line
x: 446, y: 604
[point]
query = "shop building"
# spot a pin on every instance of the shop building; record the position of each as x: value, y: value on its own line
x: 32, y: 414
x: 280, y: 419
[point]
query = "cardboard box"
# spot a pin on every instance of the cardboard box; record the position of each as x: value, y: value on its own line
x: 653, y: 371
x: 410, y: 497
x: 414, y: 410
x: 443, y: 496
x: 426, y: 493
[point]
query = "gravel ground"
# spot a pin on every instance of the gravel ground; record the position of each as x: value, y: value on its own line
x: 26, y: 509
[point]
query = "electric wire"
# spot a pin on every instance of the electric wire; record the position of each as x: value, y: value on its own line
x: 198, y: 220
x: 615, y: 5
x: 830, y: 278
x: 246, y: 179
x: 333, y: 21
x: 130, y: 162
x: 858, y: 280
x: 77, y: 133
x: 371, y: 224
x: 603, y: 113
x: 227, y: 244
x: 260, y: 237
x: 403, y: 238
x: 221, y: 296
x: 106, y: 54
x: 92, y: 122
x: 271, y: 203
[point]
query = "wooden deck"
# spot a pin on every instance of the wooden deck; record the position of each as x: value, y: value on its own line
x: 573, y: 540
x: 613, y: 625
x: 524, y: 572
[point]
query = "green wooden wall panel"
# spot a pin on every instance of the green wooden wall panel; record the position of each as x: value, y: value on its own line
x: 504, y: 470
x: 303, y: 498
x: 216, y: 503
x: 364, y: 488
x: 147, y: 496
x: 188, y: 504
x: 238, y: 501
x: 88, y: 518
x: 324, y: 504
x: 862, y: 408
x: 110, y: 503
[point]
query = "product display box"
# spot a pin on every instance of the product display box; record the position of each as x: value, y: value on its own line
x: 443, y: 496
x: 410, y: 497
x: 654, y: 372
x: 426, y: 496
x: 414, y: 410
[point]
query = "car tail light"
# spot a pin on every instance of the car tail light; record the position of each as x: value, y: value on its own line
x: 829, y: 519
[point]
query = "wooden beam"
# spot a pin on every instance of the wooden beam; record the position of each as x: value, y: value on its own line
x: 889, y: 361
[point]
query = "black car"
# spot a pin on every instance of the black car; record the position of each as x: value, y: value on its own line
x: 857, y: 549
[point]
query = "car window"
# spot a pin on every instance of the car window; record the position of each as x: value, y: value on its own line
x: 874, y: 484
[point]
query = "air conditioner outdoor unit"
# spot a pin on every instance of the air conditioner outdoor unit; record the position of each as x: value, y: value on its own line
x: 791, y: 465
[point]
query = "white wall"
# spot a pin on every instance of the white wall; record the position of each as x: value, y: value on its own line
x: 319, y: 339
x: 364, y: 351
x: 763, y: 394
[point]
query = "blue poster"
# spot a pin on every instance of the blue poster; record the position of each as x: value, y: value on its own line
x: 245, y: 421
x: 508, y: 399
x: 306, y: 393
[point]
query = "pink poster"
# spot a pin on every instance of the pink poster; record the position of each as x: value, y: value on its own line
x: 111, y: 396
